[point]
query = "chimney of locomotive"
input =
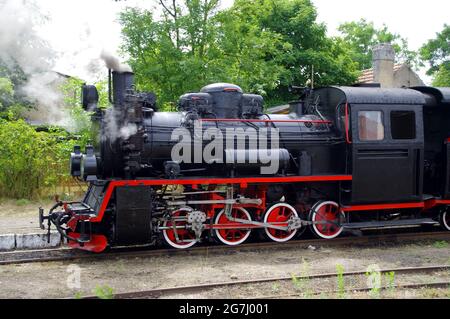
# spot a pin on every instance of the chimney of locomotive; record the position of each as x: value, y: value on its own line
x: 122, y: 81
x: 383, y: 65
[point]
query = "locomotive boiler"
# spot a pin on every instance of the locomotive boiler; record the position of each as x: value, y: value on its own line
x: 221, y: 169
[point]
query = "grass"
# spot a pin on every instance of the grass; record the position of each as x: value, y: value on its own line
x: 104, y: 292
x: 440, y: 244
x: 374, y: 281
x: 22, y: 202
x: 340, y: 281
x: 390, y: 278
x: 301, y: 282
x: 275, y: 287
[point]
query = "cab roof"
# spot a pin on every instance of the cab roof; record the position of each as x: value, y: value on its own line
x: 369, y: 95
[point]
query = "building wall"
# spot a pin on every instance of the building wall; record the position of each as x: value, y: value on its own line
x: 405, y: 77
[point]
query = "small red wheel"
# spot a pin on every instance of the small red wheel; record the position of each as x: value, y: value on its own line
x: 444, y: 220
x: 280, y: 213
x: 186, y: 237
x: 232, y: 237
x: 329, y: 217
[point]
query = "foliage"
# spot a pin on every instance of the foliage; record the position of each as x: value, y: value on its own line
x: 34, y: 161
x: 170, y: 54
x: 104, y: 292
x: 12, y: 77
x: 374, y: 280
x: 102, y: 88
x: 340, y: 280
x: 437, y: 51
x: 440, y: 244
x: 261, y: 45
x: 31, y: 161
x: 390, y: 278
x: 78, y: 295
x: 273, y: 44
x: 359, y: 37
x: 8, y: 100
x: 442, y: 76
x: 6, y: 92
x: 302, y: 282
x: 276, y: 287
x: 22, y: 202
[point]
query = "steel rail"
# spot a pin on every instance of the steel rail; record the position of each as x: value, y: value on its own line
x: 66, y: 254
x: 440, y: 284
x: 159, y: 292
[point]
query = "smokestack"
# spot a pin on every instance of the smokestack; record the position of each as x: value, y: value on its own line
x: 383, y: 65
x: 122, y: 81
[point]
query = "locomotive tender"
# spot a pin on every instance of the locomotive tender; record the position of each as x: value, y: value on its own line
x: 347, y: 157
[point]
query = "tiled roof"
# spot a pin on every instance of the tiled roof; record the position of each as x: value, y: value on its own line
x: 367, y: 75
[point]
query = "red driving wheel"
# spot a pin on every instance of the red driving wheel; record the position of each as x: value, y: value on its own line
x: 327, y: 218
x: 280, y: 213
x: 186, y: 237
x: 236, y: 236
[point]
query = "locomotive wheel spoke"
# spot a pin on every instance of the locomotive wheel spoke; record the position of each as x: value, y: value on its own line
x: 179, y: 238
x: 232, y: 237
x: 280, y: 212
x: 326, y: 218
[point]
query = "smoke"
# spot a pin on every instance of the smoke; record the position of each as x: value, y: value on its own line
x: 113, y: 130
x: 19, y: 43
x: 21, y: 46
x: 111, y: 126
x: 113, y: 63
x: 127, y: 131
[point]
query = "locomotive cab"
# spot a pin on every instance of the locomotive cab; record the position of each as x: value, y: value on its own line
x: 383, y: 129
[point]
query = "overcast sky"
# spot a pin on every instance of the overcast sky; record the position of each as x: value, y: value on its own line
x: 80, y: 29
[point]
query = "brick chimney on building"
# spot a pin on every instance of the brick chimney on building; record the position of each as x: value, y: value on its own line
x: 383, y: 65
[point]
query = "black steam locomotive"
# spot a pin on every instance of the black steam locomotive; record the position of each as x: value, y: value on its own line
x: 221, y: 168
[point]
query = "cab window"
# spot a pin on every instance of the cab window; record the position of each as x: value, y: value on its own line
x: 370, y: 125
x: 403, y: 125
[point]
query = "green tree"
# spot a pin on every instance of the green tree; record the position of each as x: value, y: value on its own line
x: 261, y: 45
x: 273, y: 44
x: 437, y: 53
x: 33, y: 163
x: 442, y: 76
x: 171, y: 53
x: 360, y: 36
x: 6, y: 93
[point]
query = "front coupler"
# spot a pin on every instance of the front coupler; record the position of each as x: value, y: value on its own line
x: 65, y: 219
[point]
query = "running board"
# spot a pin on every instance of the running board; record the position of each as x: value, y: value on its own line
x: 394, y: 223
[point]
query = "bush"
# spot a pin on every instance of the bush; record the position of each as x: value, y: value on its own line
x: 31, y: 162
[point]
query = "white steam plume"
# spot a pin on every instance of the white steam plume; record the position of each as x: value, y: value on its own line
x: 112, y: 129
x: 21, y: 46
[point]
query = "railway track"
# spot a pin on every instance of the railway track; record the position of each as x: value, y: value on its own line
x: 64, y: 254
x: 201, y: 288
